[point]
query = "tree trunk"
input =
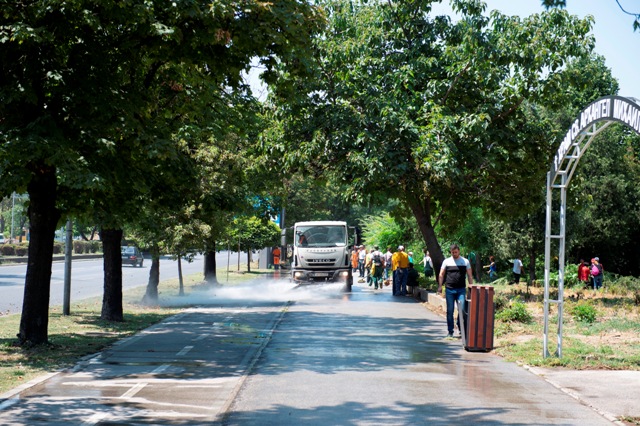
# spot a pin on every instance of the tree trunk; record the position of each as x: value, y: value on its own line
x: 422, y: 213
x: 210, y: 266
x: 151, y: 295
x: 112, y: 297
x: 248, y: 260
x: 478, y: 268
x: 43, y: 217
x: 532, y: 268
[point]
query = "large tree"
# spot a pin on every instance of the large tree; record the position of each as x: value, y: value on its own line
x: 437, y: 113
x: 78, y: 76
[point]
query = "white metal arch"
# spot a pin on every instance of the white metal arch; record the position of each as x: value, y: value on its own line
x: 592, y: 121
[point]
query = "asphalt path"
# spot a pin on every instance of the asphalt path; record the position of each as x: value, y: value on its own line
x: 267, y: 353
x: 87, y: 278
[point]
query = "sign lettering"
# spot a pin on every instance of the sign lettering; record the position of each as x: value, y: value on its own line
x: 614, y: 108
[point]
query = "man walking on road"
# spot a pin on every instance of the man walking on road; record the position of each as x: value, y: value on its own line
x: 452, y: 275
x: 377, y: 265
x: 362, y: 253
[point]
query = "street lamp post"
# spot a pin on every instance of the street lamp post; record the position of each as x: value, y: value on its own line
x: 13, y: 203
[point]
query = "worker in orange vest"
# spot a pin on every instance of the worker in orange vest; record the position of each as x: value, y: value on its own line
x: 354, y: 258
x: 276, y: 257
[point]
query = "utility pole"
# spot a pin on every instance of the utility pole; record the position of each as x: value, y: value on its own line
x: 68, y: 246
x: 13, y: 203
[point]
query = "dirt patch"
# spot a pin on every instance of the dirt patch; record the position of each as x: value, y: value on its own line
x: 610, y: 338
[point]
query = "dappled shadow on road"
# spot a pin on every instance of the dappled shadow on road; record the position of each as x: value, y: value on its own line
x: 132, y: 412
x: 287, y: 331
x: 355, y: 413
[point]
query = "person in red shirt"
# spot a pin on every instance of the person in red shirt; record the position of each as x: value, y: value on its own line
x: 583, y: 272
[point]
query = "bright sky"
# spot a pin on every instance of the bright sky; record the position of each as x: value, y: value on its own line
x: 613, y: 30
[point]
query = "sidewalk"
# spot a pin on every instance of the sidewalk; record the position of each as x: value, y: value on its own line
x: 614, y: 394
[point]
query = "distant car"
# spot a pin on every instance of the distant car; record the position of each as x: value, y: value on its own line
x: 132, y: 256
x: 2, y: 241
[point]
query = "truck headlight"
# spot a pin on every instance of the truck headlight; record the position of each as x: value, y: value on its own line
x: 298, y: 275
x: 343, y: 274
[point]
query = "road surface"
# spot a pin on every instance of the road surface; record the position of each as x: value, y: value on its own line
x: 268, y: 354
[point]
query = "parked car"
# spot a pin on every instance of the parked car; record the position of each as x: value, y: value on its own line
x: 2, y: 239
x: 132, y: 256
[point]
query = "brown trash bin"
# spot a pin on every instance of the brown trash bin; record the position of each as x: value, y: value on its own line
x: 480, y: 319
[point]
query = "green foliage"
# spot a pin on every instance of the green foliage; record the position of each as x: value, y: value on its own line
x: 439, y: 113
x: 584, y: 312
x: 571, y: 275
x: 604, y: 218
x: 500, y: 302
x: 309, y: 198
x: 383, y: 231
x: 251, y: 233
x: 516, y: 311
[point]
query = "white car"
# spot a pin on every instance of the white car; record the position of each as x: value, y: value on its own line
x: 2, y: 241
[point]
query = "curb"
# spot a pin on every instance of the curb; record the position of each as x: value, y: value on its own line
x: 12, y: 260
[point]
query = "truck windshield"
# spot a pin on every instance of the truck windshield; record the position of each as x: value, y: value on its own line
x: 321, y: 236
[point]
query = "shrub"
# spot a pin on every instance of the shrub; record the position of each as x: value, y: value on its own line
x: 95, y: 246
x: 58, y: 248
x: 22, y: 250
x: 77, y: 247
x: 584, y: 312
x: 8, y: 250
x: 571, y: 276
x: 500, y: 302
x: 515, y: 312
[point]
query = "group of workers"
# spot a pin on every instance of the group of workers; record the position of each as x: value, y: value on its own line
x: 378, y: 269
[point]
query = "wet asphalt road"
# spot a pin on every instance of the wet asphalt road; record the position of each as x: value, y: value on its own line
x: 267, y: 354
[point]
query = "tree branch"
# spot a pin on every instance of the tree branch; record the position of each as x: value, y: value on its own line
x: 455, y: 80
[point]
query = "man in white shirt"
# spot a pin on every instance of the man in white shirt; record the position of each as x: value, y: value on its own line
x: 452, y: 275
x: 427, y: 264
x: 387, y: 264
x: 517, y: 270
x: 361, y: 256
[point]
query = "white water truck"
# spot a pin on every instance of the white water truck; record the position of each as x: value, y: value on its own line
x: 320, y: 253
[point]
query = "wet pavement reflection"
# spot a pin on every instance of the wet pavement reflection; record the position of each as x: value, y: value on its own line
x: 271, y: 353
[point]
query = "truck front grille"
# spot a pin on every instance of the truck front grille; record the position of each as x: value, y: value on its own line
x: 321, y: 261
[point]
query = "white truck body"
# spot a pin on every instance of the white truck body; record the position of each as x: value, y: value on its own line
x: 321, y: 253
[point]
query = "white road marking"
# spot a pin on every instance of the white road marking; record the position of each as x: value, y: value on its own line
x: 8, y: 403
x: 134, y: 390
x: 161, y: 369
x: 184, y: 350
x: 95, y: 419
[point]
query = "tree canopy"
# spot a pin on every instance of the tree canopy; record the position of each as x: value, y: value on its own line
x: 443, y: 115
x: 92, y: 94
